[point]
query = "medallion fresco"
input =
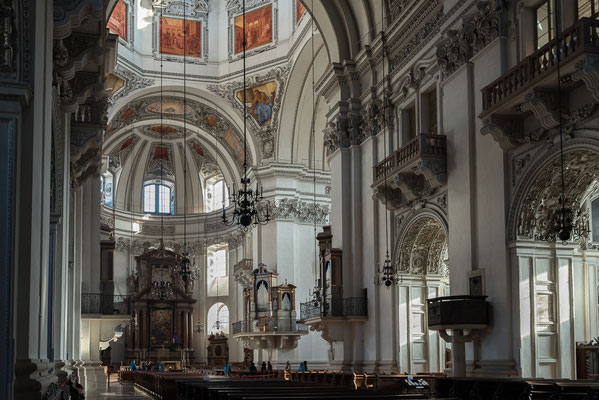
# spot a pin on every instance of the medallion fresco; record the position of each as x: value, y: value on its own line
x: 258, y: 29
x: 259, y: 100
x: 118, y: 20
x: 164, y: 132
x: 168, y: 107
x: 171, y: 37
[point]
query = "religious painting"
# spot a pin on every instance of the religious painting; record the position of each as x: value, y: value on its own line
x: 235, y: 145
x: 126, y: 144
x: 198, y: 149
x: 259, y: 100
x: 299, y: 9
x: 168, y: 107
x: 173, y: 41
x: 126, y: 114
x: 258, y: 29
x: 118, y: 20
x: 164, y: 129
x: 211, y: 120
x: 113, y: 84
x: 161, y: 153
x: 161, y: 331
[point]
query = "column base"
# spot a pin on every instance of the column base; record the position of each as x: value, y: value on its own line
x: 33, y: 378
x: 92, y: 372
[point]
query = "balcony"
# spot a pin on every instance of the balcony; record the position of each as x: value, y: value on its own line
x: 97, y: 303
x: 530, y: 87
x: 347, y: 308
x: 269, y: 333
x: 412, y: 171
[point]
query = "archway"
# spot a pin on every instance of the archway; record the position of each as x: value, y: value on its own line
x: 421, y: 260
x: 218, y: 318
x: 555, y: 282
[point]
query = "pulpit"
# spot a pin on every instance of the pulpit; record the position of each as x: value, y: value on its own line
x: 162, y: 309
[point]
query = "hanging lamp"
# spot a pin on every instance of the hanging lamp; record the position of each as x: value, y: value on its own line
x: 162, y: 289
x: 246, y: 201
x: 387, y: 275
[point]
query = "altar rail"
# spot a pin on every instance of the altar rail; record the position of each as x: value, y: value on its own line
x: 98, y: 303
x: 580, y: 38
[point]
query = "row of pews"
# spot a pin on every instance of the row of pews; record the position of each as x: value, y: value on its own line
x: 188, y: 386
x: 347, y: 385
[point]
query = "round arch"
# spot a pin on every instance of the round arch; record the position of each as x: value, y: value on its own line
x: 218, y: 311
x: 537, y: 194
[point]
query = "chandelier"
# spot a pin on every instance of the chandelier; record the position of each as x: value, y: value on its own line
x: 564, y: 227
x: 246, y: 201
x: 386, y: 276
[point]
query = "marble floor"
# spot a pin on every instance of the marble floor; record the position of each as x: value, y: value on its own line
x: 97, y: 388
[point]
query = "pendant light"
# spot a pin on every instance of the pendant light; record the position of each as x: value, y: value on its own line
x: 184, y: 263
x: 161, y: 289
x: 563, y: 218
x: 246, y: 200
x: 386, y: 276
x: 316, y: 294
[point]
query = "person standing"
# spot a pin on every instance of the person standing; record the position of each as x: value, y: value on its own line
x: 269, y: 368
x: 288, y: 366
x: 227, y: 369
x: 133, y: 366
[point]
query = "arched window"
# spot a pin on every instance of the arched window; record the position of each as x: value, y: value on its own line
x: 158, y: 198
x: 218, y: 318
x: 216, y: 193
x: 218, y: 280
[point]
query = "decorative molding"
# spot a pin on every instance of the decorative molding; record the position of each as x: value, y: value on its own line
x: 266, y: 134
x: 544, y: 104
x: 587, y: 70
x: 299, y: 211
x: 336, y: 135
x: 153, y: 229
x: 133, y: 82
x: 391, y: 198
x: 474, y: 34
x: 508, y: 131
x: 160, y: 166
x: 9, y: 39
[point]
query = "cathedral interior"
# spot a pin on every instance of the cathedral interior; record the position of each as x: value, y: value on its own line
x: 267, y: 199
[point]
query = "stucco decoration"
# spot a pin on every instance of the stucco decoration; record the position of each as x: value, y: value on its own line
x: 160, y: 163
x: 203, y: 159
x: 265, y: 133
x: 198, y: 115
x: 422, y: 247
x: 544, y: 104
x: 532, y: 215
x: 336, y: 134
x: 133, y: 82
x: 475, y: 33
x: 300, y: 211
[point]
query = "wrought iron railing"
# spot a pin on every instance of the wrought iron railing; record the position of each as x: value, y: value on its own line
x: 282, y: 325
x: 423, y: 145
x: 582, y: 37
x: 345, y: 307
x: 98, y: 303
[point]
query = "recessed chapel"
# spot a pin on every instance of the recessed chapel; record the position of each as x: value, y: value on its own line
x: 269, y: 199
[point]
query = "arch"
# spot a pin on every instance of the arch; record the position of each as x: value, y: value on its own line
x: 536, y: 196
x: 217, y: 312
x: 421, y: 247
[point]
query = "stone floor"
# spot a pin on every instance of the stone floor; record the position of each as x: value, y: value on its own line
x: 98, y: 389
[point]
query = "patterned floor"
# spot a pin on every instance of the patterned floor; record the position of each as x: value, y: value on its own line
x: 101, y: 391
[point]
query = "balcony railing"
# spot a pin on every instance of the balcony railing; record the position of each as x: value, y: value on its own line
x: 580, y: 38
x: 422, y: 146
x: 97, y: 303
x: 271, y: 325
x: 347, y: 307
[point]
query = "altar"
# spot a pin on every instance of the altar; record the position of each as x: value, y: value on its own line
x: 162, y: 310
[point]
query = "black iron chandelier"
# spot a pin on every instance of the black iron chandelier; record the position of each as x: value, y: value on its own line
x: 246, y: 201
x: 563, y: 227
x: 387, y: 275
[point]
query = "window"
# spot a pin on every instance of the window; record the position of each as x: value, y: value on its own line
x: 595, y: 219
x: 587, y: 8
x: 432, y: 111
x: 544, y: 18
x: 157, y: 199
x: 217, y: 279
x: 412, y: 122
x: 216, y: 194
x: 218, y: 312
x: 106, y: 182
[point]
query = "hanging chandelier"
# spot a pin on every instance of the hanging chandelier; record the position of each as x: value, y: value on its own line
x: 246, y: 201
x: 564, y: 227
x: 387, y: 275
